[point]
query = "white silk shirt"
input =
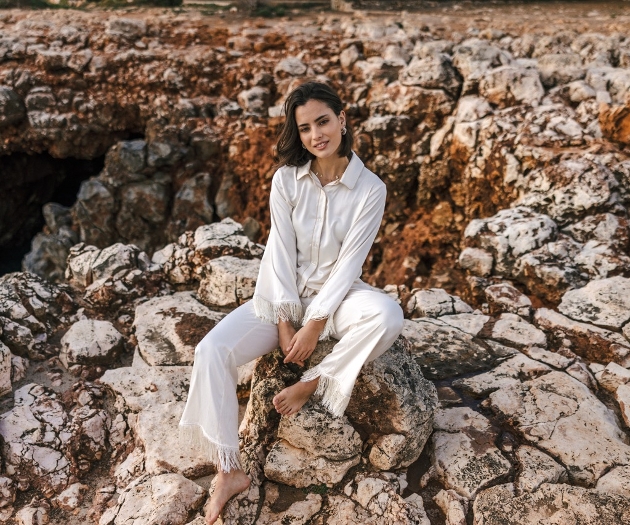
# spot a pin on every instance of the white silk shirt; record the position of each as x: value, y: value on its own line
x: 318, y: 242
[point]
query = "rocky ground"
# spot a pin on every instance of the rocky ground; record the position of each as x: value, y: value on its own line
x: 503, y: 142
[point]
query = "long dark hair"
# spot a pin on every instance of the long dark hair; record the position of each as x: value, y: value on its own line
x: 289, y: 148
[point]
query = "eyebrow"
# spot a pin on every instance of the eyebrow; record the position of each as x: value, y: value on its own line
x: 316, y: 120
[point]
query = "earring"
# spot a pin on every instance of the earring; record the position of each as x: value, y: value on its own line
x: 303, y: 145
x: 343, y: 130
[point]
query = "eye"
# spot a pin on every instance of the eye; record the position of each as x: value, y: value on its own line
x: 323, y: 122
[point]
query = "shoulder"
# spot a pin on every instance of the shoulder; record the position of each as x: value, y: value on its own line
x: 371, y: 183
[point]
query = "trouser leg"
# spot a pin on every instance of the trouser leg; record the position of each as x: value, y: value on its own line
x: 210, y: 418
x: 366, y: 323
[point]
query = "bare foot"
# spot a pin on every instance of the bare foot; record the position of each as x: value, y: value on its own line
x: 228, y: 484
x: 292, y: 398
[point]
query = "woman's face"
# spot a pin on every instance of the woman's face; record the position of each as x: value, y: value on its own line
x: 319, y: 128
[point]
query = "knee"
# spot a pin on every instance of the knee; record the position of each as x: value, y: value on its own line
x: 390, y: 317
x: 210, y: 349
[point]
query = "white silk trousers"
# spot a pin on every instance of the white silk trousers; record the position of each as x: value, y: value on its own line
x: 367, y: 322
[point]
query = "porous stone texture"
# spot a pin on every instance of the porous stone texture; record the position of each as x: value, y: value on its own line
x: 584, y: 339
x: 90, y: 342
x: 435, y: 303
x: 443, y: 350
x: 164, y: 499
x: 71, y: 498
x: 48, y: 446
x: 156, y: 431
x: 230, y: 281
x: 168, y: 328
x: 563, y: 417
x: 562, y: 504
x: 604, y: 302
x: 5, y: 369
x: 513, y: 330
x: 504, y: 297
x: 536, y: 468
x: 463, y: 455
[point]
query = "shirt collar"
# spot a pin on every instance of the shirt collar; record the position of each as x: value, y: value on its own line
x: 349, y: 177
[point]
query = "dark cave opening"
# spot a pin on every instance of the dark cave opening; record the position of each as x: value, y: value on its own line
x: 27, y: 182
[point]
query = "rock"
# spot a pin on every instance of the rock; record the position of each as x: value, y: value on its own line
x: 435, y: 302
x: 454, y: 506
x: 349, y: 56
x: 537, y: 468
x: 510, y: 234
x: 471, y: 324
x: 511, y: 85
x: 49, y: 253
x: 463, y: 455
x: 563, y: 418
x: 473, y: 57
x: 31, y: 309
x: 290, y: 67
x: 156, y: 430
x: 508, y: 373
x: 7, y: 492
x: 5, y: 370
x: 46, y: 444
x: 316, y: 431
x: 587, y: 341
x: 169, y: 328
x: 552, y: 503
x: 131, y: 28
x: 32, y: 515
x: 90, y: 342
x: 617, y: 481
x: 192, y: 207
x: 478, y: 261
x: 622, y: 395
x: 242, y: 509
x: 605, y: 303
x: 160, y: 500
x: 299, y: 468
x: 255, y: 100
x: 299, y: 513
x: 394, y: 385
x: 562, y: 68
x: 223, y: 238
x: 550, y: 358
x: 513, y: 330
x: 431, y: 72
x: 140, y: 388
x: 12, y: 109
x: 503, y: 297
x: 71, y: 498
x: 374, y: 500
x: 443, y: 351
x: 612, y: 377
x: 231, y: 281
x: 614, y: 122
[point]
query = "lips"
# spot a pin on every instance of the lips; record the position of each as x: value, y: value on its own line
x: 320, y: 145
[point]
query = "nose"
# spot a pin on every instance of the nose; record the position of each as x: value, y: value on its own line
x: 316, y: 134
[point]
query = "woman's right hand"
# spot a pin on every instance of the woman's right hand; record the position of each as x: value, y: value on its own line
x: 285, y: 335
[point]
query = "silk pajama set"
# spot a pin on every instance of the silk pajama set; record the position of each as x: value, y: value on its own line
x: 319, y: 239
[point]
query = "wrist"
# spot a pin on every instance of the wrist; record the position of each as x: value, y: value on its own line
x: 316, y: 325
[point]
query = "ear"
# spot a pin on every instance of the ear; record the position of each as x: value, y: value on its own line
x: 342, y: 118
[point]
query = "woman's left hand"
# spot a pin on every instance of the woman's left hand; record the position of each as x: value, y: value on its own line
x: 304, y: 342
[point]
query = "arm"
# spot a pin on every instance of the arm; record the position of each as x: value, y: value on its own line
x: 276, y: 297
x: 318, y: 318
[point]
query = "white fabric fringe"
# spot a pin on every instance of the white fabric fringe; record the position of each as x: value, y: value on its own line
x: 319, y: 315
x: 271, y: 313
x: 329, y: 388
x: 225, y: 458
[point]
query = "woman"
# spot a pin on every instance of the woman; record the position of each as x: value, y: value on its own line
x: 326, y: 208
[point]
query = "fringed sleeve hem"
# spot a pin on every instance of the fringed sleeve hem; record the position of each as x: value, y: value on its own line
x: 272, y: 313
x: 320, y: 315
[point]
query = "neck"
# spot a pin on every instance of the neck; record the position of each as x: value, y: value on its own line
x: 332, y: 167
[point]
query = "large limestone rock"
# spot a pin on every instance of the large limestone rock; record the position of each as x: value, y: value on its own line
x: 5, y: 369
x: 48, y: 446
x: 435, y: 302
x: 156, y: 430
x: 561, y: 416
x: 90, y: 342
x: 230, y: 281
x: 463, y: 455
x: 169, y: 328
x: 167, y: 499
x: 537, y: 468
x: 512, y: 85
x: 561, y: 504
x: 588, y: 341
x: 605, y: 303
x: 503, y: 297
x: 30, y: 311
x: 443, y: 350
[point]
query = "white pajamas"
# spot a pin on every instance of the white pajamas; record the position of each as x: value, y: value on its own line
x: 319, y: 239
